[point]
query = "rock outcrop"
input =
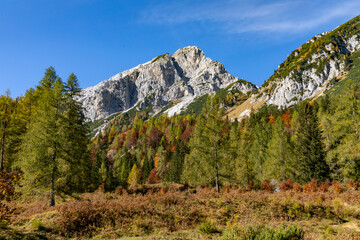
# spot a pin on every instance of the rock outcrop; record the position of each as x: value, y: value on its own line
x: 182, y: 76
x: 310, y: 69
x: 302, y: 84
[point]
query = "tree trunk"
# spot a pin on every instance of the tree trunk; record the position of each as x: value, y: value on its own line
x: 217, y: 171
x: 283, y: 168
x: 52, y: 190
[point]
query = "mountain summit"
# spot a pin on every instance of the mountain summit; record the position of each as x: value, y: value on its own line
x: 183, y: 76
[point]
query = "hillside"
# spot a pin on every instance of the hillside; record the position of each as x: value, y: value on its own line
x: 308, y: 71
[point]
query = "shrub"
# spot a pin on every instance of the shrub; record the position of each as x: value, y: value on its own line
x: 250, y: 186
x: 208, y: 227
x: 264, y: 232
x: 267, y: 186
x: 3, y: 224
x: 8, y: 183
x: 310, y: 186
x: 37, y: 224
x: 119, y: 190
x: 354, y: 184
x: 297, y: 188
x: 324, y: 187
x: 286, y: 185
x: 226, y: 189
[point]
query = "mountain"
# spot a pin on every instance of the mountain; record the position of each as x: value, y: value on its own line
x: 178, y: 79
x: 309, y: 70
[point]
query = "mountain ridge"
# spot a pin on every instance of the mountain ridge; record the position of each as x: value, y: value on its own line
x: 185, y: 75
x: 308, y: 71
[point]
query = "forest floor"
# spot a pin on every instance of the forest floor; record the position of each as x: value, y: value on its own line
x: 173, y: 212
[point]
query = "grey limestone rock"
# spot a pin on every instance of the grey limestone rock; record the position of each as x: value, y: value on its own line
x: 182, y: 76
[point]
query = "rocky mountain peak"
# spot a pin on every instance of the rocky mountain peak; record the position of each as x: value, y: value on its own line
x: 183, y: 76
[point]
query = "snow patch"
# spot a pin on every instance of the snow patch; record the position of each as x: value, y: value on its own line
x: 185, y: 101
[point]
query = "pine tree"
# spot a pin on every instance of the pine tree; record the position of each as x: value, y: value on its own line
x: 309, y: 148
x: 122, y: 167
x: 244, y: 167
x: 148, y: 165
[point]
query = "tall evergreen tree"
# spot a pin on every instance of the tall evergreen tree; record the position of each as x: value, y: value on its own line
x: 309, y: 148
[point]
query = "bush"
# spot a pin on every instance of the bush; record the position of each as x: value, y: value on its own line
x: 208, y: 227
x: 267, y: 186
x: 37, y: 224
x: 3, y: 224
x: 249, y: 233
x: 286, y: 185
x: 297, y: 188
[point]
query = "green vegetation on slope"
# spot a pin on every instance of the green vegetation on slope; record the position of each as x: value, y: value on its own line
x: 298, y: 60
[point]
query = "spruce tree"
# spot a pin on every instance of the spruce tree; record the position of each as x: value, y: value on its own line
x: 309, y: 148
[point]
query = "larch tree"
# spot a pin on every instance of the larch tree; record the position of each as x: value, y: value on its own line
x: 280, y: 153
x: 75, y: 133
x: 49, y: 152
x: 208, y: 160
x: 6, y: 110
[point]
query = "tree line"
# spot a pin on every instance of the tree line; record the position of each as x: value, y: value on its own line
x: 45, y: 135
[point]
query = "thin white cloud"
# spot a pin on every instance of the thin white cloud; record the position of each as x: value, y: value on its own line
x: 244, y: 16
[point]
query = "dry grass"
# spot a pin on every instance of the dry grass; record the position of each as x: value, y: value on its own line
x: 250, y: 104
x: 322, y: 212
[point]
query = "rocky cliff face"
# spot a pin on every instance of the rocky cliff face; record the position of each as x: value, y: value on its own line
x: 310, y: 69
x: 302, y: 84
x: 182, y: 76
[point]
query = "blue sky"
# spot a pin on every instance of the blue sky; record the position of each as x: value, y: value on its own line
x: 96, y: 39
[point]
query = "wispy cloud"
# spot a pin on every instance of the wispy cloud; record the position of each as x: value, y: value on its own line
x: 253, y: 16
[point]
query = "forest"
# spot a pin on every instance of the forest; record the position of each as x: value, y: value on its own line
x: 47, y: 153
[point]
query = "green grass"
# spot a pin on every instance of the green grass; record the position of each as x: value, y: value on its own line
x: 97, y: 123
x: 298, y: 60
x: 168, y: 106
x: 196, y: 106
x: 353, y: 74
x: 158, y: 57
